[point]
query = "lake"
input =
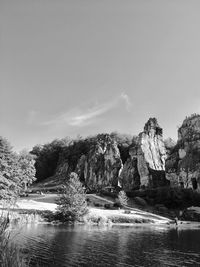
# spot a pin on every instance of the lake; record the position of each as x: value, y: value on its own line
x: 63, y: 245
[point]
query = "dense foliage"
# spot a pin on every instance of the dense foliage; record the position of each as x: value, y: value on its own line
x: 47, y: 157
x: 72, y: 204
x: 16, y: 170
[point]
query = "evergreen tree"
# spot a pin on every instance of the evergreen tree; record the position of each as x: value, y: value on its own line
x: 16, y: 171
x: 9, y: 178
x: 72, y: 204
x: 26, y: 169
x: 123, y: 199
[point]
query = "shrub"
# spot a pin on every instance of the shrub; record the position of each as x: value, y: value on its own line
x: 98, y: 205
x: 116, y: 205
x: 107, y: 206
x: 127, y: 212
x: 72, y: 204
x: 123, y: 199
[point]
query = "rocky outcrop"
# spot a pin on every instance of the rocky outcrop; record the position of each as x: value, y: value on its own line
x: 102, y: 164
x: 98, y: 161
x: 183, y: 163
x: 152, y: 155
x: 129, y: 177
x: 98, y: 167
x: 146, y: 165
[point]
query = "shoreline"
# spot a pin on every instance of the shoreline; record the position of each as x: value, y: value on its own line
x: 41, y: 209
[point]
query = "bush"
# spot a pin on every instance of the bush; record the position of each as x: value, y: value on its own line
x: 72, y: 204
x: 127, y: 212
x: 107, y: 206
x: 140, y: 201
x: 123, y: 199
x: 116, y: 205
x: 98, y: 205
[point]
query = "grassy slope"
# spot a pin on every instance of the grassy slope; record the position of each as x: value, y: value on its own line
x: 46, y: 202
x: 36, y: 207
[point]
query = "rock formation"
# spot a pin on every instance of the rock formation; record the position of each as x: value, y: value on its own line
x: 129, y: 176
x: 183, y: 163
x: 99, y: 167
x: 146, y: 161
x: 146, y: 165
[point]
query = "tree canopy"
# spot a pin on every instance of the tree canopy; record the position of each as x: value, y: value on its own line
x: 72, y: 204
x: 16, y: 170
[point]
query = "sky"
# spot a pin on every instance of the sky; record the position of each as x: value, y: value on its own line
x: 81, y: 67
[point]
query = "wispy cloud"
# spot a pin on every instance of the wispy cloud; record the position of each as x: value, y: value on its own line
x: 83, y: 117
x: 127, y: 100
x: 90, y: 114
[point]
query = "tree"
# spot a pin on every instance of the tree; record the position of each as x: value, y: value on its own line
x: 72, y: 204
x: 123, y: 199
x: 26, y: 169
x: 16, y: 171
x: 9, y: 178
x: 47, y: 157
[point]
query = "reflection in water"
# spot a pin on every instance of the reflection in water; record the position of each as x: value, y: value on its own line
x: 110, y: 246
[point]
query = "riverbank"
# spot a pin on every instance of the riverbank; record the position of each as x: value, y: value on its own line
x: 42, y: 209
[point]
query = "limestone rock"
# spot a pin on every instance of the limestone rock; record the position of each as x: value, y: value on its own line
x: 100, y: 168
x: 146, y: 165
x: 152, y: 155
x: 152, y: 145
x: 129, y: 176
x: 183, y: 164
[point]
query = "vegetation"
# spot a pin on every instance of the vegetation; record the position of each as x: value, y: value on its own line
x: 123, y: 199
x: 72, y: 204
x: 10, y: 254
x: 16, y: 170
x: 49, y: 156
x: 126, y: 217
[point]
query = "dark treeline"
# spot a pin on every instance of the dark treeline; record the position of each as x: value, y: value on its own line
x: 48, y: 156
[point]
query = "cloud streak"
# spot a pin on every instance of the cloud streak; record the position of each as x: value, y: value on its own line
x: 80, y: 118
x: 127, y: 100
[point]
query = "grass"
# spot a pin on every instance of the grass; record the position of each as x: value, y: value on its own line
x: 121, y: 216
x: 114, y: 219
x: 10, y: 253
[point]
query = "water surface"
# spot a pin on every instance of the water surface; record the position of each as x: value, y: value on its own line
x: 110, y: 246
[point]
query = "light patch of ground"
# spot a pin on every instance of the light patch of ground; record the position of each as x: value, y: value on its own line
x: 46, y: 202
x: 35, y: 205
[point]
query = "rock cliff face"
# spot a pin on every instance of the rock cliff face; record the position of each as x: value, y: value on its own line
x: 99, y: 167
x: 152, y: 155
x: 183, y: 163
x: 146, y: 165
x: 129, y: 176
